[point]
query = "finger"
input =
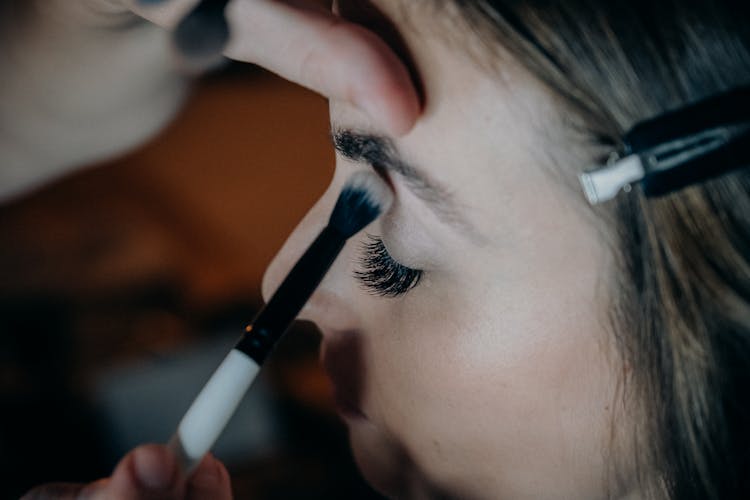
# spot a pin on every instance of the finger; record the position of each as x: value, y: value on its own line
x: 55, y: 491
x: 210, y: 480
x: 148, y: 472
x: 314, y: 48
x: 321, y: 51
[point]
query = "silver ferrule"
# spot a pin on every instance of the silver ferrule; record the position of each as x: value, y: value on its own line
x: 605, y: 182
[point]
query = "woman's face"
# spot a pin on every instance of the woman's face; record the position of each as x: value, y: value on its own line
x: 493, y: 376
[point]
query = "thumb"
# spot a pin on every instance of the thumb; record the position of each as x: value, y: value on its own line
x: 148, y: 472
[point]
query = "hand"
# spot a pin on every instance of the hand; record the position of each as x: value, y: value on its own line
x: 148, y: 472
x: 305, y: 42
x: 85, y: 80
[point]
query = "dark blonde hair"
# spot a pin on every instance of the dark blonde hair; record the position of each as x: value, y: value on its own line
x: 682, y: 312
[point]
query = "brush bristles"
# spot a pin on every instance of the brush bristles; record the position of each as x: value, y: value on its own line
x: 364, y: 197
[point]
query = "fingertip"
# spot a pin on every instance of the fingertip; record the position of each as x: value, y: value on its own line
x: 395, y: 107
x: 210, y: 480
x: 150, y: 469
x: 155, y: 467
x: 404, y: 108
x: 381, y: 84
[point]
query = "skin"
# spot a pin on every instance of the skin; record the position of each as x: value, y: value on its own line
x: 147, y: 472
x: 84, y: 80
x: 88, y: 79
x: 495, y: 376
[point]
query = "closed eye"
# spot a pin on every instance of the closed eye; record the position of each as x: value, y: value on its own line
x: 380, y: 274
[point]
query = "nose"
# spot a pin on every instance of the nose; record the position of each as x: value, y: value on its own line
x: 305, y: 232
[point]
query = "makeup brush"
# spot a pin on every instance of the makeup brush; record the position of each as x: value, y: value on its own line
x: 203, y: 33
x: 364, y: 197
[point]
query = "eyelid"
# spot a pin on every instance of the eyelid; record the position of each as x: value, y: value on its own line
x: 377, y: 150
x: 381, y: 274
x: 384, y: 174
x: 371, y: 151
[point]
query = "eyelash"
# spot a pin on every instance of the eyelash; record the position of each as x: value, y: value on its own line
x: 380, y: 274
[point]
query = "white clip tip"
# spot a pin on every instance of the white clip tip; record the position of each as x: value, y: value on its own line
x: 604, y: 183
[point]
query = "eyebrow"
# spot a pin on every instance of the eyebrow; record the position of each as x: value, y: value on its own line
x: 382, y: 155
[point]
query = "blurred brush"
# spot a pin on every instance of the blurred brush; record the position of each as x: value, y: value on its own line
x: 202, y: 35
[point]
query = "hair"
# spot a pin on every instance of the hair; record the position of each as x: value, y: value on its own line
x: 681, y: 311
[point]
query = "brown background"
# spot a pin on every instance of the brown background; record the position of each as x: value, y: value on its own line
x: 151, y: 253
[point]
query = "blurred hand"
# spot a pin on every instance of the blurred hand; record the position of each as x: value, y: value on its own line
x: 87, y: 79
x: 148, y: 472
x: 305, y: 42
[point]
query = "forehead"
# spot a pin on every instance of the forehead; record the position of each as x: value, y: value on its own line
x: 426, y: 33
x: 390, y: 7
x: 404, y: 16
x: 480, y: 132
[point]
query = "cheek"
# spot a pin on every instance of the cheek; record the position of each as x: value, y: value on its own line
x: 492, y: 391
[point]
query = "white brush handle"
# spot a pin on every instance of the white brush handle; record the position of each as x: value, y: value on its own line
x: 208, y: 415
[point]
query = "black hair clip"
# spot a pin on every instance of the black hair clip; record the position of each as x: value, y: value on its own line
x: 678, y: 148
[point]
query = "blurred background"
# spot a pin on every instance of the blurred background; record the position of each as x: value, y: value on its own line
x: 124, y: 285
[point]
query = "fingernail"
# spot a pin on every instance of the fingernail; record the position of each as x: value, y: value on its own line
x: 154, y: 468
